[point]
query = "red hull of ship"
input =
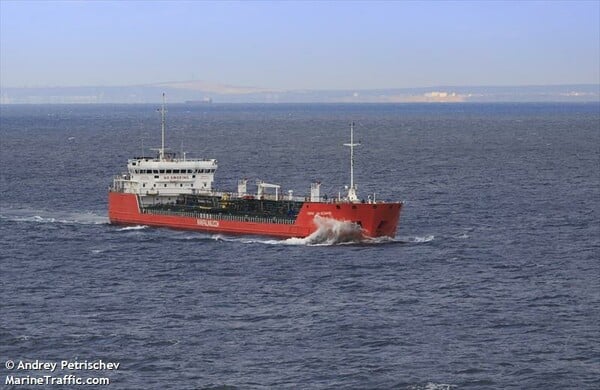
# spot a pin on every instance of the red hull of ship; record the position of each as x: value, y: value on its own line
x: 376, y: 219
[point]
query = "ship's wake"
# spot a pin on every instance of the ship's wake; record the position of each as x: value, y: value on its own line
x: 49, y: 216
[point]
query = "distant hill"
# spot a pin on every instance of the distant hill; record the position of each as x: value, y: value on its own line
x: 202, y: 92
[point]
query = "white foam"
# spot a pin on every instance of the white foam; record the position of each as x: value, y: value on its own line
x: 330, y: 232
x: 418, y: 239
x: 427, y: 238
x: 136, y: 227
x: 439, y: 386
x: 50, y: 216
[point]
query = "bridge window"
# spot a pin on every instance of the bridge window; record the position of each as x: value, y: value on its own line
x: 162, y: 171
x: 175, y: 170
x: 169, y: 171
x: 155, y: 171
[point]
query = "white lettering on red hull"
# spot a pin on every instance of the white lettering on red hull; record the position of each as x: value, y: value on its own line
x: 320, y: 213
x: 207, y: 223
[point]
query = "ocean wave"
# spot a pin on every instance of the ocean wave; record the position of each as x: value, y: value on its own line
x: 420, y: 239
x: 433, y: 386
x: 135, y: 227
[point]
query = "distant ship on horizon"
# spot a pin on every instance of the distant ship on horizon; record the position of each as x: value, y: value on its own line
x: 206, y: 100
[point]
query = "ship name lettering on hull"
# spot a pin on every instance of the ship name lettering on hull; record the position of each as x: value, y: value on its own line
x: 207, y: 223
x: 320, y: 213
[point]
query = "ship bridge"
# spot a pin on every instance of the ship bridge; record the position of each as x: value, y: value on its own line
x: 166, y: 176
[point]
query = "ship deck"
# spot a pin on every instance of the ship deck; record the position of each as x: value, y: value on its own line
x: 219, y: 207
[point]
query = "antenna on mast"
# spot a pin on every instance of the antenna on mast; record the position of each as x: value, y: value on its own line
x: 352, y: 190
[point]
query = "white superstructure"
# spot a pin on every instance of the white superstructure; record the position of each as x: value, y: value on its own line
x: 161, y: 179
x: 168, y: 176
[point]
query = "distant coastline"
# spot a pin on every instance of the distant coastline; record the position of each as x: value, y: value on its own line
x: 196, y: 92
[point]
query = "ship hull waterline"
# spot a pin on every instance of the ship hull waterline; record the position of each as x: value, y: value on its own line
x: 375, y: 219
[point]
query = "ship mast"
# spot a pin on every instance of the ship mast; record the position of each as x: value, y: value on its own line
x: 162, y: 126
x: 352, y: 190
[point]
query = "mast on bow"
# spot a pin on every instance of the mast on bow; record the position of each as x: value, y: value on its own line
x: 352, y: 190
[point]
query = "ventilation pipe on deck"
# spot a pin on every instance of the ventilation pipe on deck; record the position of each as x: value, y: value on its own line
x: 315, y: 192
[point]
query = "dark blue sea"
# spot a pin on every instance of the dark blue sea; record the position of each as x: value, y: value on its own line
x: 492, y: 282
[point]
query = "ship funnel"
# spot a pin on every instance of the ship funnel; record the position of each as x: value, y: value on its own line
x: 315, y: 192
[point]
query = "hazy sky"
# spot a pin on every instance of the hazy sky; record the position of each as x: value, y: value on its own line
x: 297, y: 45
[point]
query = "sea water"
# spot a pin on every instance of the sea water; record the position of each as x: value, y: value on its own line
x: 492, y: 281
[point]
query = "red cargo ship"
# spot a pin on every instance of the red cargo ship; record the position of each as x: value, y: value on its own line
x: 169, y: 191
